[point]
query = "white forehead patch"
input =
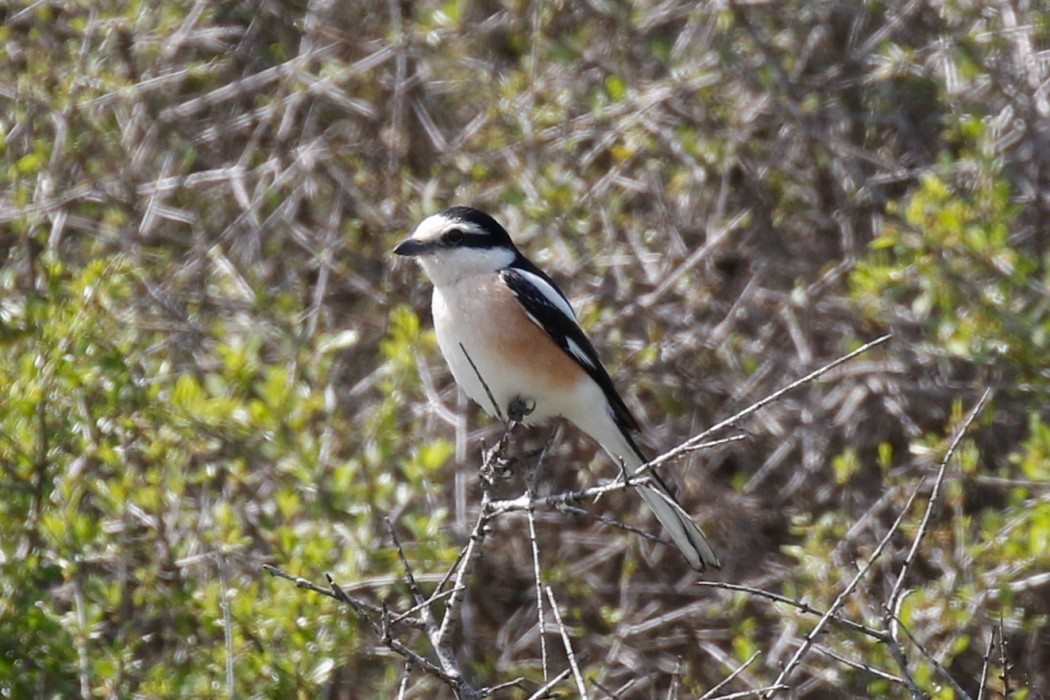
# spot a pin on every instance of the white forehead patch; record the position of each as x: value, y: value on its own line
x: 435, y: 226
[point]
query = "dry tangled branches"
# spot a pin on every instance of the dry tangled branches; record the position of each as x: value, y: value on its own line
x: 453, y: 586
x: 209, y: 367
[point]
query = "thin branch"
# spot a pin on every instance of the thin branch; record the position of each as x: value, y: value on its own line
x: 801, y: 606
x: 488, y: 391
x: 613, y: 522
x: 729, y: 679
x: 867, y: 668
x: 492, y: 690
x: 479, y: 528
x: 712, y: 443
x: 936, y: 664
x: 696, y: 439
x: 523, y: 502
x: 580, y: 685
x: 544, y: 691
x: 402, y: 686
x: 227, y: 623
x: 790, y: 667
x: 931, y: 503
x: 446, y: 656
x: 1003, y: 657
x: 676, y: 681
x: 424, y: 604
x: 768, y: 691
x: 530, y: 486
x: 897, y: 651
x: 381, y: 628
x: 477, y: 536
x: 413, y: 587
x: 485, y: 511
x: 359, y: 605
x: 985, y: 665
x: 891, y: 610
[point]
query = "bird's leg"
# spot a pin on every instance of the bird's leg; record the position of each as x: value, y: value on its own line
x: 498, y: 464
x: 518, y: 408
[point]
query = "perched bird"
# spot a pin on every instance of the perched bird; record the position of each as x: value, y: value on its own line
x: 498, y: 317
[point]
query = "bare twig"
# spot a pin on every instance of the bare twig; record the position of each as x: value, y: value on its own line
x: 492, y: 690
x: 729, y: 679
x: 897, y: 652
x: 796, y: 659
x: 530, y: 486
x: 985, y: 664
x: 406, y: 673
x: 477, y: 536
x: 801, y: 606
x: 613, y: 522
x: 446, y: 656
x: 341, y: 596
x: 523, y: 502
x: 696, y: 439
x: 488, y: 392
x: 544, y: 691
x: 768, y: 690
x: 712, y: 443
x: 676, y: 681
x: 227, y: 623
x: 581, y: 687
x: 934, y: 662
x: 423, y: 604
x: 381, y: 628
x: 479, y: 531
x: 417, y: 594
x: 891, y: 610
x: 931, y: 503
x: 1003, y: 657
x: 867, y: 668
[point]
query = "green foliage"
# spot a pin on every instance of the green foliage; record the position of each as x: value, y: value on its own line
x: 952, y: 262
x: 142, y: 501
x: 947, y: 611
x: 206, y: 367
x: 1023, y: 527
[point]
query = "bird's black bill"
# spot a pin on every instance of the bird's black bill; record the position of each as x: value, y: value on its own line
x: 411, y: 246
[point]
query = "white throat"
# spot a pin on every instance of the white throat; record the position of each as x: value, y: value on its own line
x: 448, y: 267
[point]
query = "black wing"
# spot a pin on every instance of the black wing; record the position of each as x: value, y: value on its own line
x: 548, y: 307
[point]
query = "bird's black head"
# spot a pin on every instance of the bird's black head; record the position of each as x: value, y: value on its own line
x: 459, y: 242
x: 456, y: 227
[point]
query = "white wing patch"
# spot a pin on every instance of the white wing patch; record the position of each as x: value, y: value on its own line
x: 541, y: 293
x: 579, y: 354
x: 549, y: 293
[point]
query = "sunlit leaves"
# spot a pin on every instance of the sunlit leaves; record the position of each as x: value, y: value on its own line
x: 158, y: 478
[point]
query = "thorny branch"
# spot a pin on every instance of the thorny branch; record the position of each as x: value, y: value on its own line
x: 447, y: 667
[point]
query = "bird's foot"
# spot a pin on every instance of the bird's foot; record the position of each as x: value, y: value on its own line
x: 518, y: 408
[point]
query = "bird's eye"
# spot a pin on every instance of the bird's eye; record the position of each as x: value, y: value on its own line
x: 454, y: 236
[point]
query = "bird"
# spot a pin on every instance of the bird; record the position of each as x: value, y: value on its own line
x: 511, y: 339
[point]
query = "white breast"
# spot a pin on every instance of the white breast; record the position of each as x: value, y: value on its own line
x: 478, y: 316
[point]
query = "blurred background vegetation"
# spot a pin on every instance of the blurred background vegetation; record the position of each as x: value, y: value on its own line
x: 210, y: 361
